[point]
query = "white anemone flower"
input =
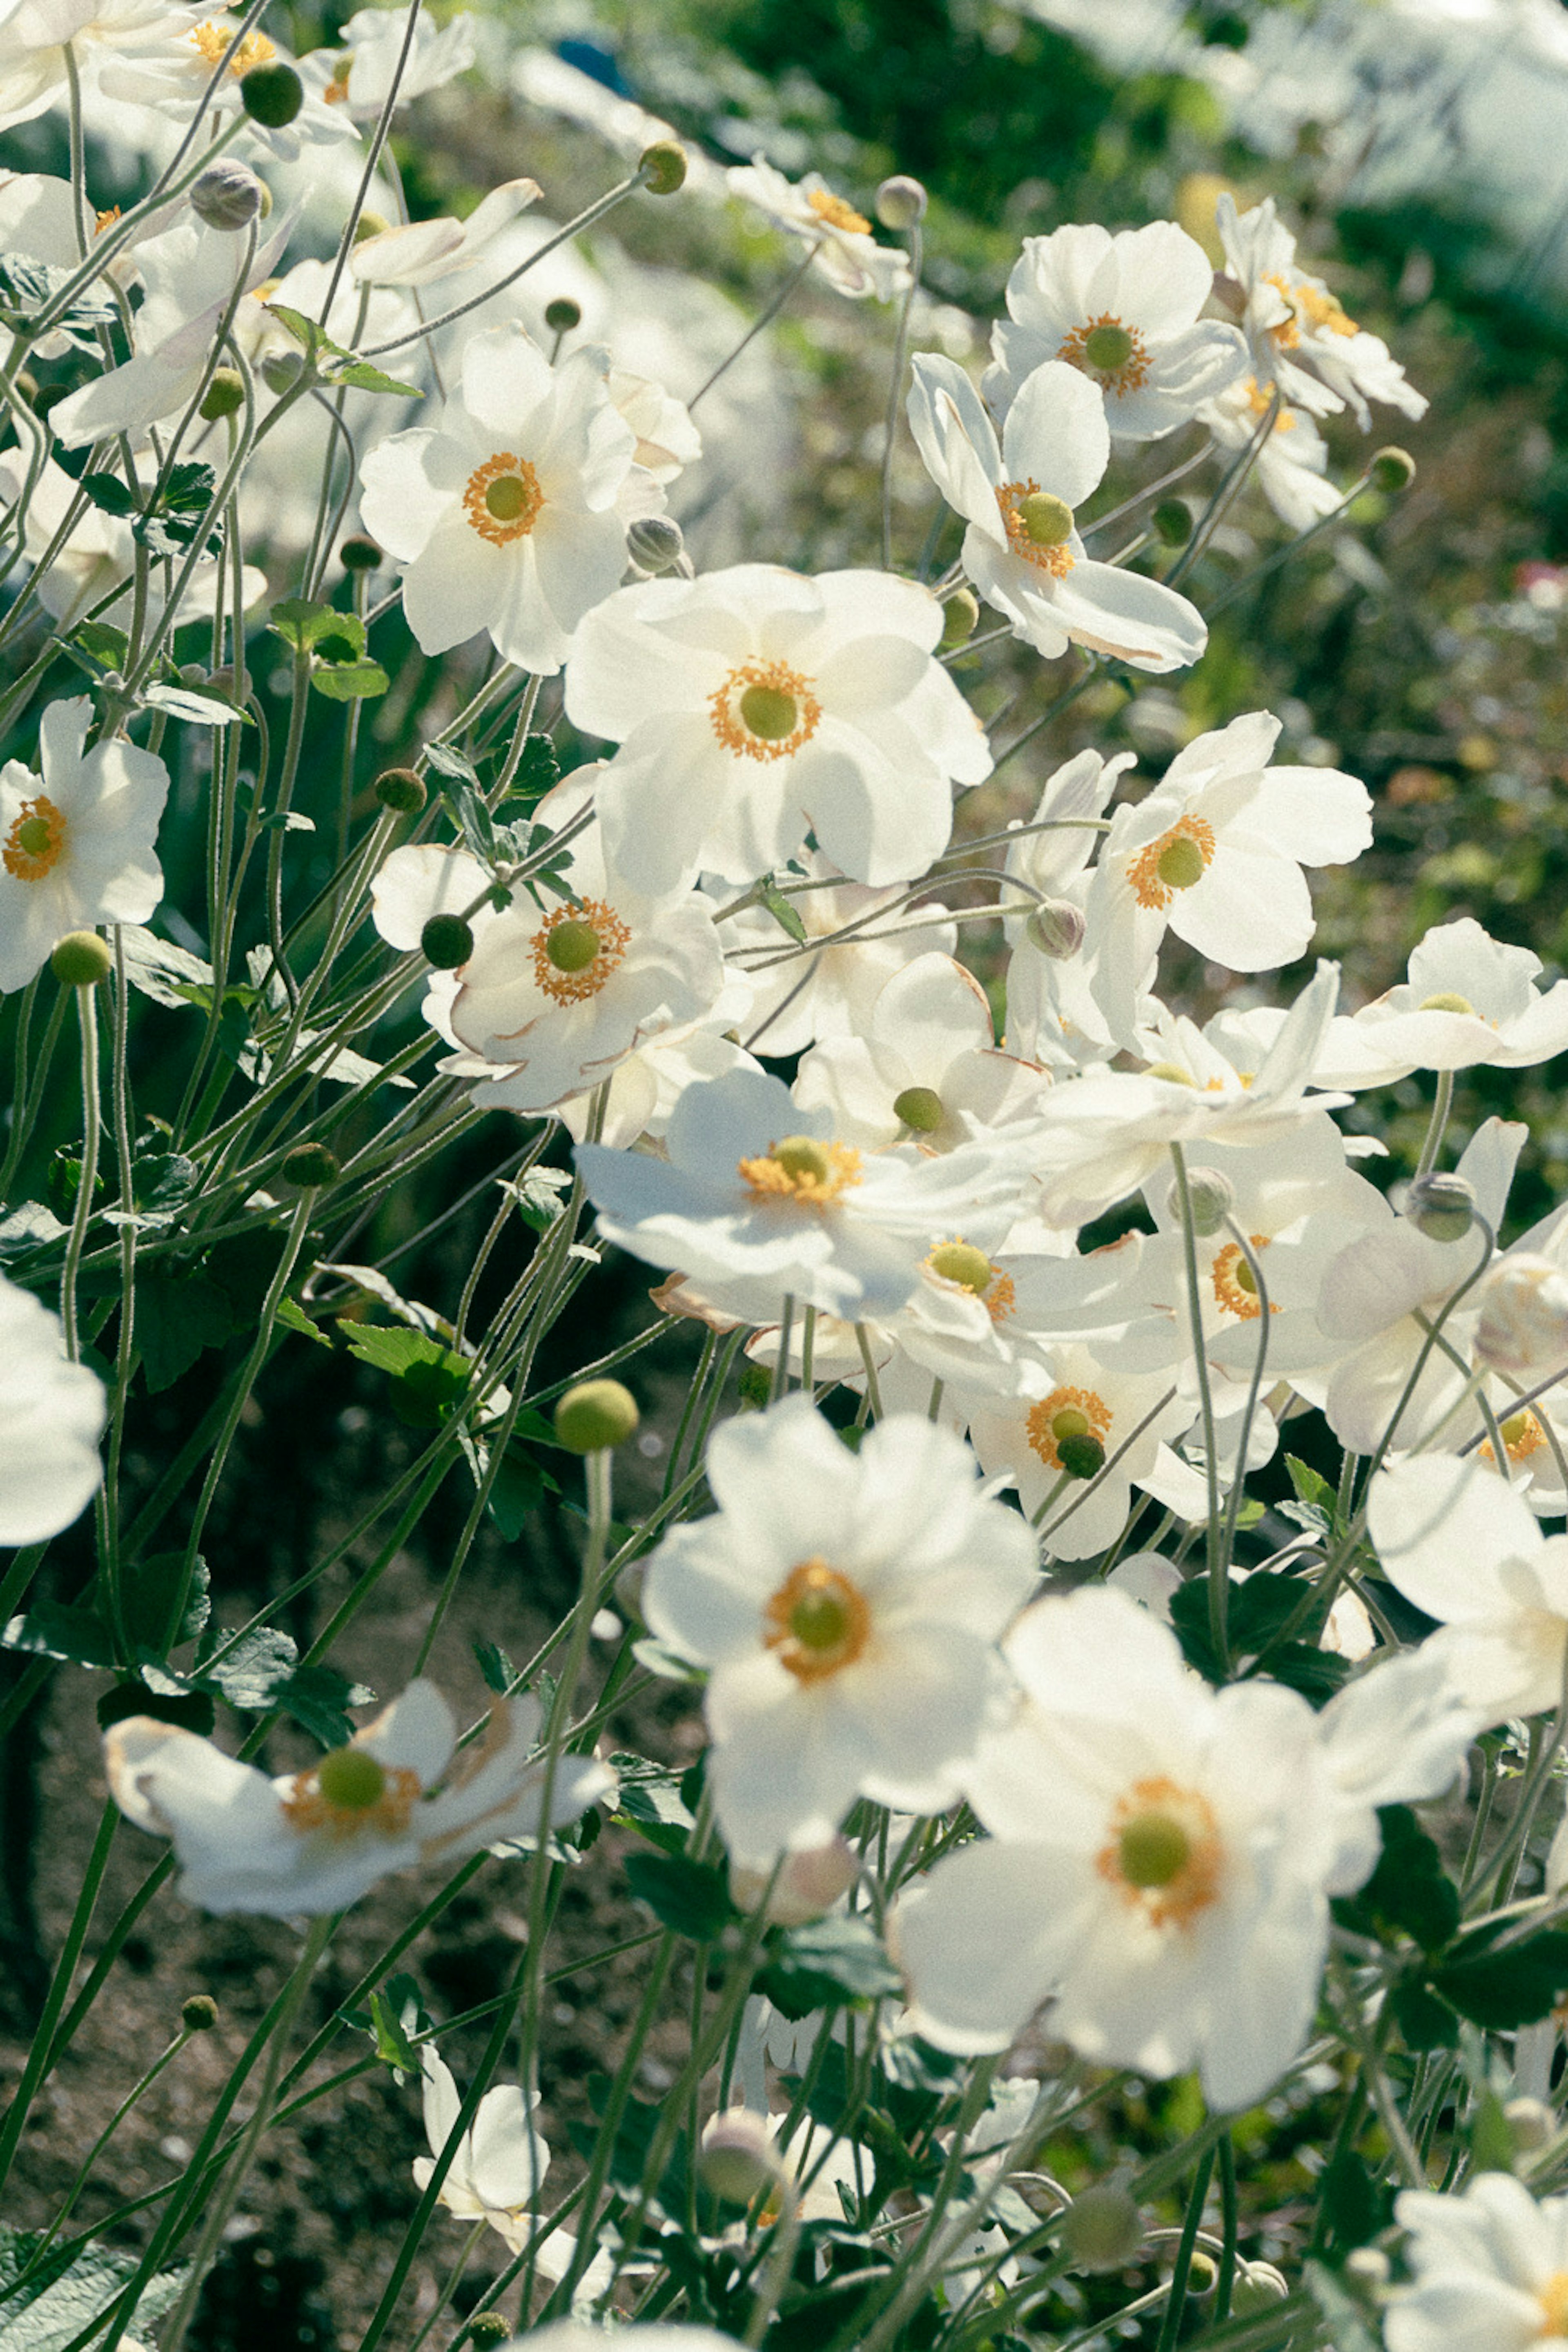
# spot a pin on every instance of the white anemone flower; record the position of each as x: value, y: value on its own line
x: 1123, y: 309
x: 76, y: 842
x: 1468, y: 998
x: 843, y: 249
x: 847, y: 1606
x: 1291, y: 466
x: 1162, y: 1855
x: 174, y: 79
x: 1468, y: 1550
x: 1214, y: 853
x: 1019, y: 496
x: 34, y: 36
x: 359, y: 76
x: 99, y: 553
x: 417, y: 253
x: 511, y: 514
x: 399, y: 1795
x: 926, y: 1071
x: 755, y: 706
x: 799, y: 1000
x: 758, y: 1200
x: 552, y: 1001
x: 1301, y: 336
x: 1490, y: 2268
x: 496, y: 2173
x: 51, y: 1418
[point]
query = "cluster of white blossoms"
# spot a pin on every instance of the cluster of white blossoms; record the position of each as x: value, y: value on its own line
x: 986, y: 1461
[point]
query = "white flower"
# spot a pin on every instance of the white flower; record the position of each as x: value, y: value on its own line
x: 1162, y: 1855
x: 1292, y: 464
x: 926, y: 1070
x: 844, y: 249
x: 358, y: 77
x: 1467, y: 1548
x: 505, y: 515
x: 753, y: 705
x: 552, y: 1001
x: 799, y: 1000
x: 1491, y: 2270
x: 847, y: 1606
x: 76, y: 842
x: 99, y: 552
x: 1124, y: 310
x: 1299, y: 334
x: 174, y: 79
x: 1469, y: 998
x: 34, y: 35
x: 501, y: 2158
x: 419, y: 252
x: 52, y: 1417
x: 315, y: 1840
x: 1214, y: 853
x: 1022, y: 549
x: 757, y: 1199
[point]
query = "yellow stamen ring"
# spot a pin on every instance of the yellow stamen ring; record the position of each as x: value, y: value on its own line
x: 764, y: 711
x: 833, y: 212
x: 1178, y: 859
x: 1054, y: 556
x: 1234, y: 1288
x: 1066, y: 1413
x: 801, y: 1168
x: 817, y: 1622
x: 36, y: 841
x: 1110, y: 351
x: 565, y: 976
x: 348, y: 1793
x: 503, y: 498
x: 1163, y: 1856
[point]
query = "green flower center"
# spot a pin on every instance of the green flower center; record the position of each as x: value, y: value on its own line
x: 1107, y: 348
x: 1047, y: 519
x: 802, y: 1155
x: 768, y: 712
x: 350, y: 1778
x: 33, y: 836
x: 920, y: 1107
x: 507, y: 499
x: 572, y: 945
x: 1180, y: 864
x: 1152, y: 1848
x: 962, y: 1263
x: 1448, y: 1000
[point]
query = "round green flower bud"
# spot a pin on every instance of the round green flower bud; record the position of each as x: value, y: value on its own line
x: 1173, y: 521
x: 490, y: 2328
x: 272, y: 94
x: 654, y: 543
x: 199, y: 2013
x: 224, y: 395
x: 960, y: 619
x: 1080, y: 1456
x: 1257, y: 2285
x: 900, y: 202
x: 1102, y: 2228
x: 446, y: 941
x: 400, y: 790
x: 594, y: 1415
x: 920, y: 1107
x: 1057, y: 927
x: 755, y: 1384
x: 561, y: 315
x: 226, y: 195
x: 81, y: 960
x: 369, y: 225
x: 1391, y: 470
x: 359, y: 554
x: 309, y: 1165
x: 663, y: 167
x: 1440, y: 1207
x: 1213, y: 1196
x: 738, y: 2159
x: 1047, y: 519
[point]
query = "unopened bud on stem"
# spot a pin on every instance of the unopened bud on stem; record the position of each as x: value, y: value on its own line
x: 1057, y: 927
x: 1440, y: 1207
x: 80, y: 960
x: 226, y: 195
x: 272, y: 94
x: 594, y: 1415
x: 561, y: 315
x: 654, y: 543
x: 1101, y: 2229
x: 198, y: 2013
x: 446, y: 941
x: 1213, y: 1196
x: 1391, y: 470
x: 960, y: 618
x: 663, y: 167
x: 900, y: 202
x: 738, y: 2159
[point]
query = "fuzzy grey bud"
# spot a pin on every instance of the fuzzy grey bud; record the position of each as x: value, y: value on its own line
x: 1213, y: 1196
x: 1057, y: 927
x: 226, y: 195
x: 654, y: 543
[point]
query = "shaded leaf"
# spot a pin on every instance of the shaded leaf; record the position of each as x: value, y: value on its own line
x: 690, y: 1899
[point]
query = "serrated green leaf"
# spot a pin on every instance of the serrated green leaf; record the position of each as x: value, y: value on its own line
x: 449, y: 763
x: 109, y: 494
x: 827, y: 1964
x: 73, y: 2286
x: 538, y: 771
x: 360, y: 376
x: 1503, y: 1990
x: 690, y: 1899
x: 52, y: 1629
x: 497, y: 1668
x: 149, y: 1590
x: 105, y: 643
x: 359, y: 681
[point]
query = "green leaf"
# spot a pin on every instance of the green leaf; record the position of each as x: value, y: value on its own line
x: 357, y: 681
x: 334, y: 362
x: 397, y: 2014
x: 430, y: 1381
x: 1354, y: 2206
x: 691, y: 1898
x: 178, y: 1313
x: 538, y: 771
x: 73, y: 2286
x: 363, y: 377
x: 303, y: 625
x: 783, y: 911
x: 261, y: 1673
x: 519, y: 1484
x: 104, y: 642
x: 640, y: 2122
x: 1502, y: 1989
x: 109, y: 494
x: 1425, y: 2022
x: 1409, y: 1889
x: 538, y: 1196
x: 827, y: 1964
x: 149, y: 1590
x: 449, y: 763
x: 293, y: 1317
x: 52, y: 1629
x: 1311, y: 1489
x: 497, y: 1668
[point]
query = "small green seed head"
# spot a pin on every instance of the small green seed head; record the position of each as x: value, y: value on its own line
x: 400, y: 790
x: 226, y: 195
x: 360, y: 553
x: 1173, y: 521
x: 802, y: 1155
x: 663, y: 167
x: 1441, y: 1207
x: 446, y: 941
x: 1047, y: 519
x: 767, y: 712
x: 1107, y: 348
x: 962, y: 1263
x: 900, y: 202
x: 1101, y: 2229
x: 310, y: 1165
x: 369, y: 225
x: 80, y: 960
x: 1057, y: 927
x: 960, y: 619
x: 351, y: 1778
x: 595, y: 1415
x: 1180, y: 864
x: 561, y: 315
x: 572, y: 945
x: 1154, y: 1848
x: 1391, y: 470
x: 920, y: 1107
x: 1081, y: 1455
x: 272, y: 94
x: 489, y: 2327
x: 198, y: 2012
x: 224, y: 395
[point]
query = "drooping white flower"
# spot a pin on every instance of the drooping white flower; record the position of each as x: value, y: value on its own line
x: 496, y: 2174
x: 758, y: 1200
x: 1022, y: 549
x: 1162, y: 1854
x: 1299, y: 334
x: 847, y: 1606
x: 1489, y: 2268
x: 417, y: 253
x: 1291, y: 466
x: 76, y: 842
x: 753, y: 705
x: 1215, y: 853
x: 511, y: 514
x: 35, y: 34
x: 52, y: 1417
x: 1123, y: 309
x: 925, y: 1067
x: 844, y: 249
x: 397, y: 1796
x: 1468, y: 998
